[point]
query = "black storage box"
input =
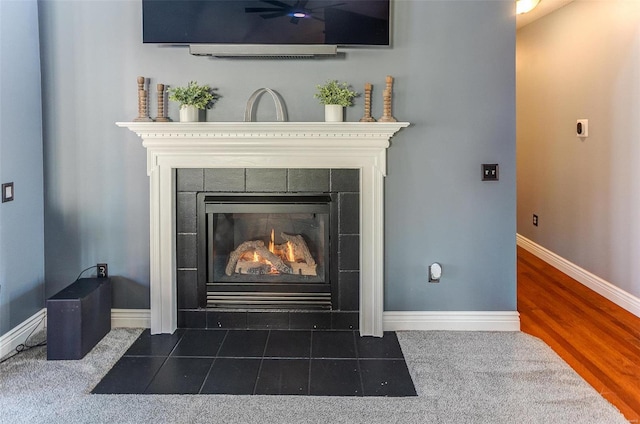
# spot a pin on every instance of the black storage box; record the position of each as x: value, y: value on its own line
x: 78, y: 317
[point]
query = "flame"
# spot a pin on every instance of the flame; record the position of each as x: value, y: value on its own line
x: 290, y: 256
x: 255, y: 257
x: 271, y: 243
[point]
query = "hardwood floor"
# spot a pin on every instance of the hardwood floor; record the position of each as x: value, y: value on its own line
x: 600, y: 340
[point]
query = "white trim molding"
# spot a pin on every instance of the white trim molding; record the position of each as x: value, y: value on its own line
x: 18, y: 335
x: 604, y: 288
x: 130, y: 318
x: 452, y: 320
x: 328, y: 145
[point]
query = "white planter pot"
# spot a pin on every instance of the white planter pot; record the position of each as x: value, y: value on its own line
x: 189, y: 113
x: 333, y: 113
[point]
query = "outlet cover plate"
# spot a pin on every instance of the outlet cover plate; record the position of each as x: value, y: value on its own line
x: 490, y: 172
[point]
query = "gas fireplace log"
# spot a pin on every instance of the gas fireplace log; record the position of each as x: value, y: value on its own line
x: 237, y: 254
x: 299, y: 245
x: 258, y: 247
x: 276, y: 262
x: 252, y: 268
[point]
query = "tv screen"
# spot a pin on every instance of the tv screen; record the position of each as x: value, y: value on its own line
x: 335, y: 22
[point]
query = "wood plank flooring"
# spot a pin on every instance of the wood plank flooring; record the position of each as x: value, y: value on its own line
x: 600, y: 340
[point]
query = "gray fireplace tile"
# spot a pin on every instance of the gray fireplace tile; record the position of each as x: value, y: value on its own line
x: 192, y: 372
x: 224, y: 179
x: 349, y: 253
x: 333, y: 344
x: 381, y: 377
x: 309, y: 180
x: 186, y: 251
x: 268, y: 320
x: 341, y: 320
x: 386, y: 347
x: 130, y: 375
x: 345, y: 180
x: 266, y: 180
x: 349, y: 215
x: 192, y: 319
x: 288, y: 344
x: 227, y: 319
x: 283, y: 377
x: 310, y: 320
x: 154, y: 345
x: 233, y: 376
x: 186, y: 216
x: 189, y: 179
x: 187, y: 289
x: 244, y: 343
x: 349, y: 291
x: 334, y: 378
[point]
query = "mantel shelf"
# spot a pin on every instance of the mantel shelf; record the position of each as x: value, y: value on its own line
x: 264, y: 129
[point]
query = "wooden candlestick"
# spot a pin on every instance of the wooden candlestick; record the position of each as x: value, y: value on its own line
x: 143, y: 108
x: 162, y: 117
x: 367, y: 104
x: 386, y: 97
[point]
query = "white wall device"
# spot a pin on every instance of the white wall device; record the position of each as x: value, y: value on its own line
x: 582, y: 128
x: 435, y: 272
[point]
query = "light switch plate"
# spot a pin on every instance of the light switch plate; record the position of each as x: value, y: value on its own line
x: 7, y: 192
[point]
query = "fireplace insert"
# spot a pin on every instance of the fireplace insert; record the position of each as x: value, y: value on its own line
x: 264, y: 251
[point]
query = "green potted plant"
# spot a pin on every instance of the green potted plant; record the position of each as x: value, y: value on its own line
x: 335, y: 96
x: 192, y: 99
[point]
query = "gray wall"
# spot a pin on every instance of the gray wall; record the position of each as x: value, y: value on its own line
x: 454, y: 67
x: 21, y: 221
x: 582, y: 62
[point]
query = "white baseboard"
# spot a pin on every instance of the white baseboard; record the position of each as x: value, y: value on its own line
x: 452, y: 320
x: 131, y: 318
x: 18, y: 335
x: 604, y: 288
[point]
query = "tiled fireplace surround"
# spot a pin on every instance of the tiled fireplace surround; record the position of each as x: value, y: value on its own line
x: 343, y: 186
x: 264, y: 145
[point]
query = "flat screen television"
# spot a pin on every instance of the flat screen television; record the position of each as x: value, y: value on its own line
x: 267, y: 22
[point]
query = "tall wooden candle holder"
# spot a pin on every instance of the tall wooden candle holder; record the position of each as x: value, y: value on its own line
x: 386, y: 97
x: 367, y: 104
x: 162, y: 116
x: 143, y: 97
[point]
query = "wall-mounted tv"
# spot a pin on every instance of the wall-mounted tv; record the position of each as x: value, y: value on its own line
x: 267, y: 22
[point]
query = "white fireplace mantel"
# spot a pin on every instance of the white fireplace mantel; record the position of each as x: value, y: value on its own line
x: 354, y: 145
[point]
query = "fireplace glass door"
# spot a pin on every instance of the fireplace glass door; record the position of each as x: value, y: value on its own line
x: 267, y: 251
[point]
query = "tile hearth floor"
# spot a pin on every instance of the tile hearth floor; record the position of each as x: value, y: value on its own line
x: 261, y: 362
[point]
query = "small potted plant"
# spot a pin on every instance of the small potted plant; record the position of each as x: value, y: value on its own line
x: 335, y: 96
x: 192, y: 99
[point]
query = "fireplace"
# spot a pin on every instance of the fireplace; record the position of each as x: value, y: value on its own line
x: 265, y: 251
x: 268, y: 248
x: 282, y: 145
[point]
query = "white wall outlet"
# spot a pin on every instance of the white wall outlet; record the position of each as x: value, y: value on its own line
x: 435, y: 272
x: 582, y: 128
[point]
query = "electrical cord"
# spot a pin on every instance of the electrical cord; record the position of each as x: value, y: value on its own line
x: 24, y: 346
x: 83, y: 271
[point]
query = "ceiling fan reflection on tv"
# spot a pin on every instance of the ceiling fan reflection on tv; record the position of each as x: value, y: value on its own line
x: 296, y: 11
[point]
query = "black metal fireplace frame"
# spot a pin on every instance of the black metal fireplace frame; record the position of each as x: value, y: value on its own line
x: 310, y: 296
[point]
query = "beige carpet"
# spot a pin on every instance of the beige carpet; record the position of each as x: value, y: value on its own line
x: 460, y: 377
